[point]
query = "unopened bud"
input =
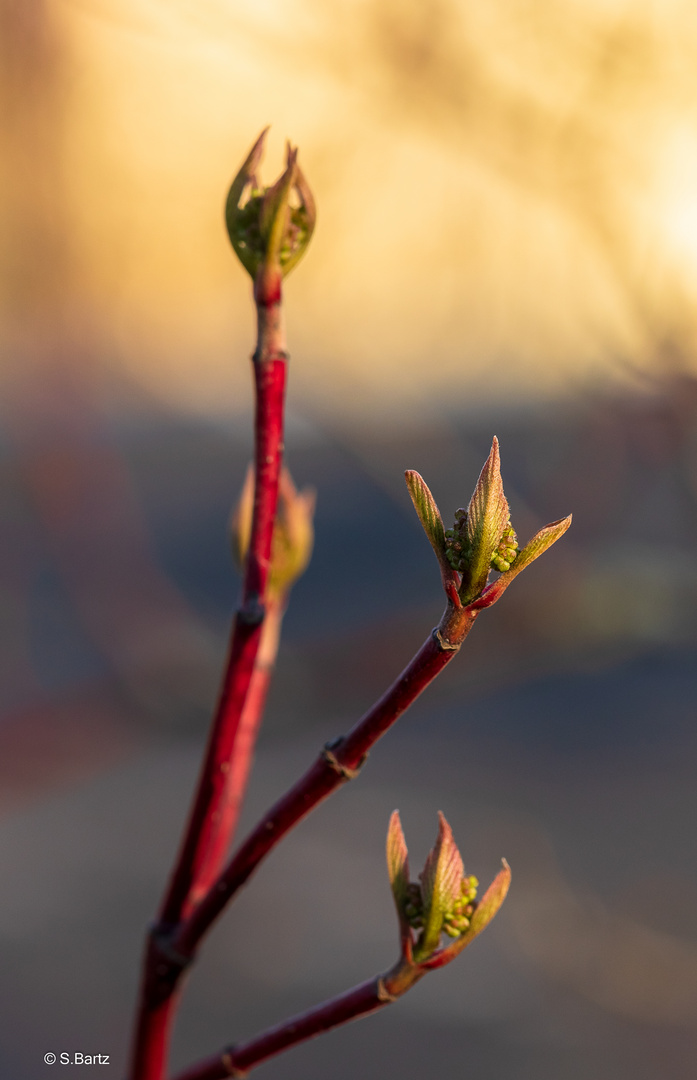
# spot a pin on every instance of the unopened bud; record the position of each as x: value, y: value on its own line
x: 293, y: 533
x: 271, y: 227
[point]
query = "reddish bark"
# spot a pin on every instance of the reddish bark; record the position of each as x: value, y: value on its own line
x: 207, y: 833
x: 363, y: 999
x: 336, y: 764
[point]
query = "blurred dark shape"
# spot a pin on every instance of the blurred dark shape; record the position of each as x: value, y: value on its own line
x: 619, y: 962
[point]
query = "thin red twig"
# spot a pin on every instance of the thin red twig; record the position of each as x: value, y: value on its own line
x: 238, y: 1060
x: 335, y: 765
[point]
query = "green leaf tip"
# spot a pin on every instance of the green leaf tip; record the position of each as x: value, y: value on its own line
x: 483, y: 525
x: 397, y: 861
x: 441, y: 879
x: 270, y: 227
x: 432, y: 522
x: 491, y: 901
x: 427, y: 510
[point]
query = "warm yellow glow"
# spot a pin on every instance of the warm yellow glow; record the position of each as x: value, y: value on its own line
x: 677, y: 192
x: 502, y: 188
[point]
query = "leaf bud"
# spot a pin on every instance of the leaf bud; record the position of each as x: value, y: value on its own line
x: 270, y: 228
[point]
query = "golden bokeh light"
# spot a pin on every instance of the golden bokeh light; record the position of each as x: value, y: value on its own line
x: 505, y: 191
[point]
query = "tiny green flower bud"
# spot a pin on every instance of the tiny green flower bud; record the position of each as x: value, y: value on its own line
x: 443, y: 902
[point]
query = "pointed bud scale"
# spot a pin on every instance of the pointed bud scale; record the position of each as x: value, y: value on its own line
x: 270, y: 228
x: 397, y: 861
x: 427, y: 510
x: 398, y: 873
x: 432, y: 522
x: 440, y: 886
x: 293, y: 533
x: 487, y: 518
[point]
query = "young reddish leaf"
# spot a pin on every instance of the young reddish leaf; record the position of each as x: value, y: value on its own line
x: 426, y: 508
x: 440, y: 885
x: 487, y: 516
x: 491, y: 901
x: 397, y: 861
x: 429, y: 516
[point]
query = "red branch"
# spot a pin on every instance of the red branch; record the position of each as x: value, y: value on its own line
x: 336, y: 764
x: 205, y: 839
x: 204, y: 822
x: 363, y: 999
x: 243, y: 752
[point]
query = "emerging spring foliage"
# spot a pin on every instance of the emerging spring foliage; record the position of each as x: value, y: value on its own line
x: 443, y: 901
x: 270, y: 228
x: 482, y: 538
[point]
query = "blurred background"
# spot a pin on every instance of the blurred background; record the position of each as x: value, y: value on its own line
x: 506, y: 243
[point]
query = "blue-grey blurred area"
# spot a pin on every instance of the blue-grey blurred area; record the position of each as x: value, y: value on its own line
x: 562, y: 738
x: 506, y: 245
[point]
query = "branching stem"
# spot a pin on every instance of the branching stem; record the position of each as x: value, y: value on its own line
x: 210, y: 822
x: 325, y: 775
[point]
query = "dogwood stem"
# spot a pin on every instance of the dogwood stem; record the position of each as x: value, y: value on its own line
x: 205, y: 838
x: 243, y: 749
x: 337, y: 763
x: 237, y: 1061
x: 203, y: 834
x: 442, y: 882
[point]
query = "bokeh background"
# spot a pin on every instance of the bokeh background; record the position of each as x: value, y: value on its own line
x: 507, y: 243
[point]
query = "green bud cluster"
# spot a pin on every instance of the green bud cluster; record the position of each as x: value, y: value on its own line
x: 457, y: 920
x: 506, y: 551
x: 457, y: 546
